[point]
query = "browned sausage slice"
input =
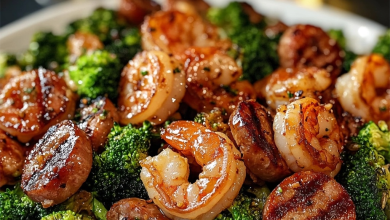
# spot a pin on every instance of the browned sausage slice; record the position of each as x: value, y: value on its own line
x: 309, y: 195
x: 58, y: 164
x: 97, y: 120
x: 134, y: 208
x: 251, y: 126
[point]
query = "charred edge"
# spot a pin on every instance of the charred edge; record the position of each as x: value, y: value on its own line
x: 255, y: 129
x: 303, y: 194
x: 342, y: 206
x: 58, y: 159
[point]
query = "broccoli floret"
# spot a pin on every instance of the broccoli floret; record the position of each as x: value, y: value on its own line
x: 364, y: 174
x: 338, y: 35
x: 14, y: 204
x: 66, y: 215
x: 383, y: 45
x: 45, y: 50
x: 376, y: 136
x: 103, y: 22
x: 237, y: 17
x: 115, y: 173
x: 84, y: 203
x: 214, y: 120
x: 96, y: 74
x: 6, y: 60
x: 254, y: 50
x: 248, y: 205
x: 127, y: 46
x: 349, y: 56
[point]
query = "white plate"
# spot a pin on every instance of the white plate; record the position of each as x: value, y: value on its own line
x: 361, y: 33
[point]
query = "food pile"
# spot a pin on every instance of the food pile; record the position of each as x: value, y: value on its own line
x: 186, y: 111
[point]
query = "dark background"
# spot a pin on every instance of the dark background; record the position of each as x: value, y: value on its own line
x: 376, y: 10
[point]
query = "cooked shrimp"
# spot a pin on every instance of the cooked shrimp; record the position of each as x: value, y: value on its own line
x: 211, y: 79
x: 80, y: 43
x: 173, y: 32
x: 97, y: 120
x: 32, y: 102
x: 251, y: 126
x: 365, y: 90
x: 135, y: 11
x: 307, y: 45
x: 309, y: 195
x: 349, y: 124
x: 279, y: 87
x: 11, y: 160
x: 194, y: 7
x: 165, y: 176
x: 58, y: 164
x: 308, y: 136
x: 134, y: 208
x: 151, y: 88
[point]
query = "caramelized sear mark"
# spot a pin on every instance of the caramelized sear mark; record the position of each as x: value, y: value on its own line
x: 307, y: 45
x: 32, y: 102
x: 251, y: 126
x: 135, y: 11
x: 97, y: 120
x: 309, y: 195
x: 58, y: 164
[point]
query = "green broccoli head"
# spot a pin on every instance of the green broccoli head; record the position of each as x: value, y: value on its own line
x: 104, y: 23
x: 45, y: 50
x: 14, y: 204
x: 248, y: 205
x: 115, y: 173
x: 377, y: 136
x: 365, y: 176
x: 96, y: 74
x: 383, y: 45
x: 127, y: 46
x: 6, y: 60
x: 237, y: 17
x: 338, y: 35
x: 84, y: 203
x: 253, y: 49
x: 66, y: 215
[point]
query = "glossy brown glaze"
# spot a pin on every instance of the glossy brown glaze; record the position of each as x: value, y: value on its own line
x: 12, y: 156
x: 188, y: 6
x: 212, y: 80
x: 174, y: 31
x: 134, y: 208
x: 286, y: 84
x: 309, y: 195
x: 32, y: 102
x: 307, y: 45
x: 251, y: 126
x: 97, y: 120
x: 58, y: 164
x: 135, y: 11
x: 349, y: 124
